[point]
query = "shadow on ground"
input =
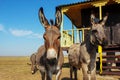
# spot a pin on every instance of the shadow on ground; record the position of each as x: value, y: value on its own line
x: 65, y: 78
x: 66, y: 65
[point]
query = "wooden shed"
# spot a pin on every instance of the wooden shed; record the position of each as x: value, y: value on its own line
x: 79, y: 15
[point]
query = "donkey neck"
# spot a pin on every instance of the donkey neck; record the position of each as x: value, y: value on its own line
x: 89, y: 45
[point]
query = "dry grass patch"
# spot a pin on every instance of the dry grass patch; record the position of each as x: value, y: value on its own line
x: 16, y: 68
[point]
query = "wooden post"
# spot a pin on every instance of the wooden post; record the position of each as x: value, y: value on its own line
x: 99, y: 46
x: 72, y: 33
x: 78, y: 36
x: 83, y: 36
x: 61, y: 29
x: 62, y: 10
x: 100, y: 12
x: 100, y: 53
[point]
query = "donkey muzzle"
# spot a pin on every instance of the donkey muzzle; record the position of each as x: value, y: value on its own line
x: 105, y: 42
x: 32, y: 72
x: 51, y: 54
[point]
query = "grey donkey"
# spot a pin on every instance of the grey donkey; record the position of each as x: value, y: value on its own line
x: 83, y: 55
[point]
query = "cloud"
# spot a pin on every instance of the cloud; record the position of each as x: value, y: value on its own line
x: 18, y: 33
x: 2, y: 28
x: 36, y: 35
x: 25, y: 33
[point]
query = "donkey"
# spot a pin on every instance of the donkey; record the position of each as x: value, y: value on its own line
x: 49, y: 57
x: 83, y: 55
x: 33, y: 63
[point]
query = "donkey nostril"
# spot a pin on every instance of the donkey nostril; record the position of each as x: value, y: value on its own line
x: 105, y: 42
x: 104, y: 39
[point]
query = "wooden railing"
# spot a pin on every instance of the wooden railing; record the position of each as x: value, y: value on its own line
x: 69, y: 37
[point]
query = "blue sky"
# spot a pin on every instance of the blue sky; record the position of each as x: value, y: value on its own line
x: 20, y: 29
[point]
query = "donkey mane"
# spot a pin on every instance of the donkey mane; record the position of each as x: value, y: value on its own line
x: 88, y: 37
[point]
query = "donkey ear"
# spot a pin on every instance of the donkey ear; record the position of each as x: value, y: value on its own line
x: 104, y: 20
x: 58, y: 19
x: 42, y: 18
x: 92, y: 19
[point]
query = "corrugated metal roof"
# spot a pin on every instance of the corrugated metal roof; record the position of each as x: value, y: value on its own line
x: 72, y: 4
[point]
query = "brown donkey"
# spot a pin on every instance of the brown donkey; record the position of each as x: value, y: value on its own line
x: 49, y: 57
x: 33, y: 63
x: 84, y: 55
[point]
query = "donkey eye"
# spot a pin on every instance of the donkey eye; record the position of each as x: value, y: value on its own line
x: 58, y: 37
x: 94, y: 31
x: 44, y: 36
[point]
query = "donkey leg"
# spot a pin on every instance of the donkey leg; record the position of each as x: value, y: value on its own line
x: 58, y: 74
x: 84, y: 71
x: 91, y: 65
x: 42, y: 75
x: 48, y: 75
x: 71, y: 70
x: 93, y: 74
x: 75, y: 72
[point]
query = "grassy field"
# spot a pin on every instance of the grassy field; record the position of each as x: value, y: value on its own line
x: 16, y: 68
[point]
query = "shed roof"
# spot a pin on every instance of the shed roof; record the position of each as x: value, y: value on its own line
x: 73, y: 11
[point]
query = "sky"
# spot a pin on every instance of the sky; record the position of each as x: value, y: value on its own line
x: 21, y: 33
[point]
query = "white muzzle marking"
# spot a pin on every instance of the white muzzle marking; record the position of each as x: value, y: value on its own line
x: 51, y: 53
x: 32, y: 72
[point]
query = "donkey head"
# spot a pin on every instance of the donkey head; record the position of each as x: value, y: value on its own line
x: 98, y: 32
x: 52, y: 34
x: 33, y: 69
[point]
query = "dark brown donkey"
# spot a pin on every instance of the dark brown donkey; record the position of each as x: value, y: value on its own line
x: 84, y: 55
x: 49, y: 57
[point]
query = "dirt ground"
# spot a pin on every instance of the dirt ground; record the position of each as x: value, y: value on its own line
x: 16, y: 68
